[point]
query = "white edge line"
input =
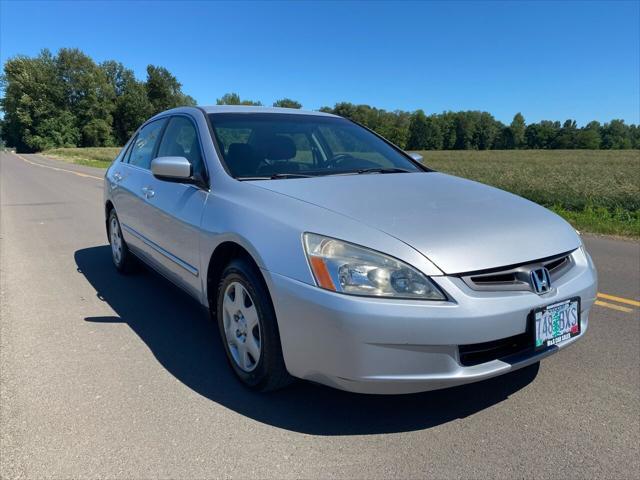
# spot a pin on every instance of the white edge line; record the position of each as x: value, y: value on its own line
x: 79, y: 174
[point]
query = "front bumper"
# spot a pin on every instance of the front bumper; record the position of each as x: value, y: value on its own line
x: 373, y: 345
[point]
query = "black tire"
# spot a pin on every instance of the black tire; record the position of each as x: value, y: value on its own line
x: 125, y: 262
x: 269, y: 371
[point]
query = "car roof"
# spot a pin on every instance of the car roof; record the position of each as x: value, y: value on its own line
x: 239, y: 109
x: 258, y: 109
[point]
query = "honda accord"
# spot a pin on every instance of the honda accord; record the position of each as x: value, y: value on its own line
x: 325, y: 252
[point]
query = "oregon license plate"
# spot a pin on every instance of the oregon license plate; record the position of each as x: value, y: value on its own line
x: 557, y: 323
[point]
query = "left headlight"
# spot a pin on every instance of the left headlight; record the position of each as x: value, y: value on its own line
x: 347, y: 268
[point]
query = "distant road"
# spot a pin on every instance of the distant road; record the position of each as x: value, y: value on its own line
x: 107, y: 376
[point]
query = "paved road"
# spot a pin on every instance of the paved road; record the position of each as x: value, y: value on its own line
x: 123, y: 377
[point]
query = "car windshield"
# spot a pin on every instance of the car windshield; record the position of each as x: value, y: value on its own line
x: 276, y: 145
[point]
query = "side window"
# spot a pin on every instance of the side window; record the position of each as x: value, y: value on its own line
x: 145, y: 142
x: 127, y: 154
x: 180, y: 139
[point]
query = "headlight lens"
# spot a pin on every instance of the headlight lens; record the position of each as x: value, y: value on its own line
x: 348, y: 268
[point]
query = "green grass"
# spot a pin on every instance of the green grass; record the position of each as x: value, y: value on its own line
x: 598, y: 191
x: 100, y: 157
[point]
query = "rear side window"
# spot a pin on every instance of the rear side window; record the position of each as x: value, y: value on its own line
x: 180, y: 139
x: 145, y: 143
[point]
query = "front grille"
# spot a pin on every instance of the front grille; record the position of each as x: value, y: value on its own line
x: 558, y: 265
x: 517, y: 277
x: 477, y: 353
x: 495, y: 279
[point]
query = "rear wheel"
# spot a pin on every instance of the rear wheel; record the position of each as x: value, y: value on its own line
x: 122, y: 258
x: 248, y: 328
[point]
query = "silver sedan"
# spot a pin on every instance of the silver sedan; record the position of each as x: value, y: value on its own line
x: 326, y: 253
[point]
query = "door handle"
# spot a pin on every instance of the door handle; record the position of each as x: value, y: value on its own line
x: 117, y: 176
x: 148, y: 192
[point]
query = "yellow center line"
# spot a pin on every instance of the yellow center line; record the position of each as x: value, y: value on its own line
x: 614, y: 307
x: 79, y: 174
x: 627, y: 301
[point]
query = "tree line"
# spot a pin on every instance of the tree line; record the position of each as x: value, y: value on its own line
x: 67, y: 99
x: 475, y: 130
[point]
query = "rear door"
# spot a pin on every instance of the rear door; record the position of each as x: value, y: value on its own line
x: 174, y: 209
x: 133, y: 175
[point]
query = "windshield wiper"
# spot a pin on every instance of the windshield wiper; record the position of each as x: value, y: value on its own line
x: 382, y: 170
x: 276, y: 176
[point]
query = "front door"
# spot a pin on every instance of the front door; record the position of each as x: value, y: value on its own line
x: 174, y: 209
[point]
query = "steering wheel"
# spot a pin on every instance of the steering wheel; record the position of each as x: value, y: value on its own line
x: 336, y: 160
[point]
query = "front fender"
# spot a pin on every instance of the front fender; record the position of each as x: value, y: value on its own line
x: 270, y: 225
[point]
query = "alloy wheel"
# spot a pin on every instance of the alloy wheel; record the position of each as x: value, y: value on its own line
x: 116, y: 241
x: 241, y: 327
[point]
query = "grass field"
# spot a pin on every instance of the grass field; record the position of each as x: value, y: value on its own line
x: 598, y: 191
x: 99, y: 157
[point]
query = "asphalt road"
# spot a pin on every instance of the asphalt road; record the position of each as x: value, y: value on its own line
x: 107, y: 376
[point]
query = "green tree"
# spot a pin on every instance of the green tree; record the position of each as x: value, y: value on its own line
x: 634, y: 134
x: 69, y: 100
x: 89, y: 96
x: 589, y: 136
x: 287, y: 103
x: 234, y: 99
x: 542, y: 135
x: 532, y: 135
x: 394, y: 126
x: 132, y: 106
x: 447, y: 122
x: 418, y: 131
x: 487, y: 131
x: 433, y: 134
x: 548, y: 132
x: 466, y: 125
x: 36, y: 115
x: 567, y: 137
x: 616, y: 135
x: 515, y: 135
x: 164, y: 91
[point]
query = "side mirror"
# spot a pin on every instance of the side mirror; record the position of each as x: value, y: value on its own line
x: 171, y: 168
x: 416, y: 156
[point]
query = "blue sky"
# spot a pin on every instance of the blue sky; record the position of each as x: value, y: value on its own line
x: 549, y: 60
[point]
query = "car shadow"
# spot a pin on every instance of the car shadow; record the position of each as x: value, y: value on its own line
x: 186, y: 342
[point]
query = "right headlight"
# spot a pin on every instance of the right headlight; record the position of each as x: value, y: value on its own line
x: 347, y: 268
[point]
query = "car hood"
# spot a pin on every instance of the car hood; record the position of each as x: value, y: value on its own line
x: 458, y: 224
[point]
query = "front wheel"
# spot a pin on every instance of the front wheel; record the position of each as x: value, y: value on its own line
x: 248, y: 328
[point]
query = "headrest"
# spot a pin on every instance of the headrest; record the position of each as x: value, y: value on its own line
x: 280, y: 148
x: 240, y: 151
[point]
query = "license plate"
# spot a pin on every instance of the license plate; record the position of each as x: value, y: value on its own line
x: 557, y: 323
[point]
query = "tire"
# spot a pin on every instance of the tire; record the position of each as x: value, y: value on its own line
x: 122, y: 258
x: 248, y: 328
